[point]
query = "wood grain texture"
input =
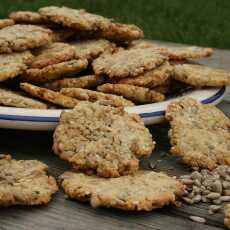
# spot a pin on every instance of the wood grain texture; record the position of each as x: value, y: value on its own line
x: 63, y: 214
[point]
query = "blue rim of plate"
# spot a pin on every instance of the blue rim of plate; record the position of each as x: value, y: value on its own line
x: 142, y: 115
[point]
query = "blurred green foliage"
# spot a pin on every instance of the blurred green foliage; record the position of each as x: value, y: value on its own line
x: 200, y: 22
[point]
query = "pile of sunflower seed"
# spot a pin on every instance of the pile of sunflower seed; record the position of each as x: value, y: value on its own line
x: 206, y: 186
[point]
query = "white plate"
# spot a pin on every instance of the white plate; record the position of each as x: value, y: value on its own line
x: 43, y: 119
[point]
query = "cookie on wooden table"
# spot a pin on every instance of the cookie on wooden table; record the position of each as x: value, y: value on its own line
x: 200, y: 134
x: 14, y: 64
x: 87, y: 82
x: 6, y: 22
x: 151, y: 78
x: 74, y: 18
x: 102, y: 139
x: 145, y: 190
x: 16, y: 99
x: 23, y: 37
x: 94, y: 96
x: 51, y: 54
x: 26, y: 17
x: 49, y: 95
x: 25, y: 182
x: 127, y: 63
x: 131, y: 92
x: 54, y: 71
x: 91, y: 49
x: 199, y: 75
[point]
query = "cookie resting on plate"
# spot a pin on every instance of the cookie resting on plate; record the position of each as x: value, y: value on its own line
x: 94, y: 96
x: 102, y: 139
x: 199, y: 75
x: 145, y: 190
x: 127, y: 63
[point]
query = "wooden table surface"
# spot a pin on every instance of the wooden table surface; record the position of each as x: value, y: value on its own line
x: 66, y: 214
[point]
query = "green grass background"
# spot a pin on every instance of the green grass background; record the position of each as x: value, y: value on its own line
x: 201, y: 22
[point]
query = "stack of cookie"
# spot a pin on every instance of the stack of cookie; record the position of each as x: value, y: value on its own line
x: 59, y: 56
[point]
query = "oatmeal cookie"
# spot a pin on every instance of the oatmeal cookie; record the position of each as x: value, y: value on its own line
x: 55, y: 71
x: 6, y: 22
x: 199, y: 75
x: 200, y: 134
x: 102, y: 139
x: 26, y: 17
x: 51, y: 54
x: 145, y: 190
x: 25, y: 182
x: 134, y: 93
x: 176, y: 53
x: 49, y: 95
x: 74, y: 18
x: 93, y: 96
x: 23, y: 37
x: 127, y: 63
x: 87, y: 82
x: 15, y: 99
x: 151, y: 78
x: 11, y: 65
x: 91, y: 49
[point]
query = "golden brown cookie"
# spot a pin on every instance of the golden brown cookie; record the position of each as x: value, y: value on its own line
x: 49, y: 95
x: 151, y: 78
x: 25, y: 182
x: 11, y: 65
x: 55, y: 71
x: 176, y: 53
x: 51, y: 54
x: 227, y: 215
x: 93, y: 96
x: 134, y: 93
x: 145, y: 190
x: 6, y: 22
x: 91, y: 49
x: 15, y: 99
x: 102, y: 139
x: 23, y: 37
x: 127, y: 63
x: 199, y: 75
x: 26, y: 17
x: 87, y: 82
x: 200, y: 134
x: 74, y: 18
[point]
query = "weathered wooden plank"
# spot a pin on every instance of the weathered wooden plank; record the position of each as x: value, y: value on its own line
x: 66, y: 214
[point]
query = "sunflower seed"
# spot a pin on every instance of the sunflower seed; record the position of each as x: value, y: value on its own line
x: 226, y: 184
x: 215, y: 208
x: 213, y: 195
x: 225, y: 198
x: 188, y: 200
x: 187, y: 181
x: 197, y: 198
x: 198, y: 219
x: 217, y: 187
